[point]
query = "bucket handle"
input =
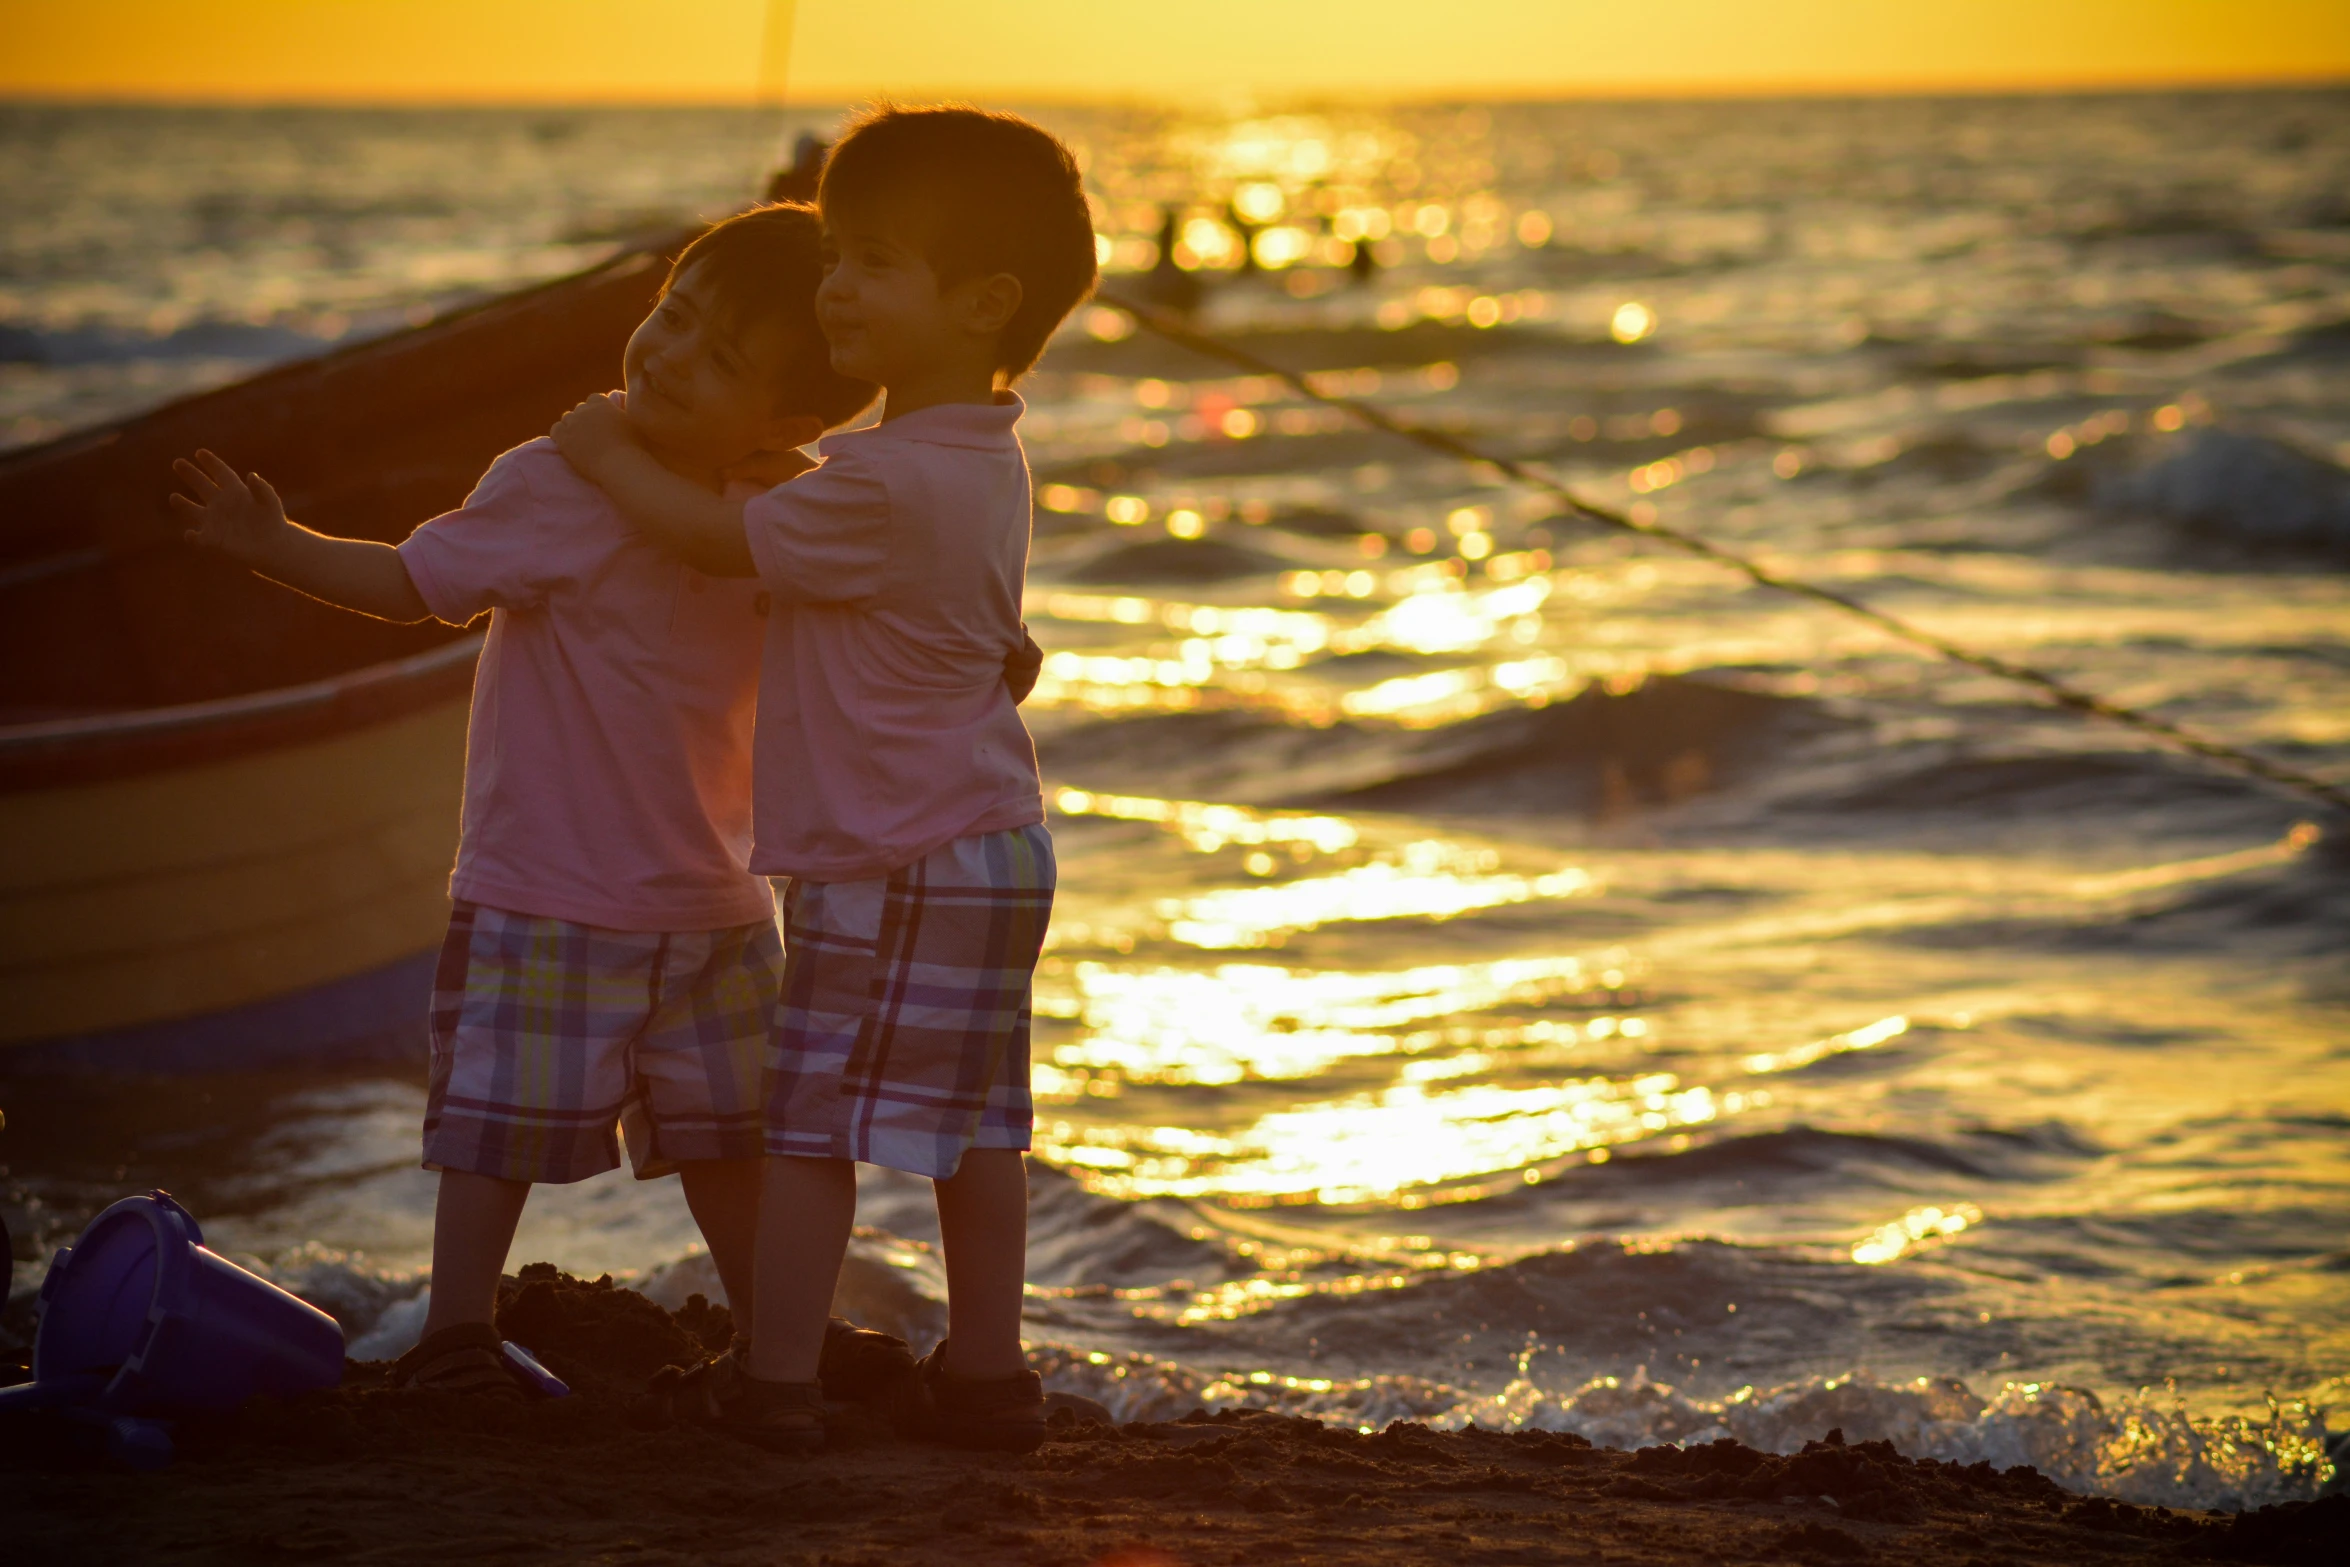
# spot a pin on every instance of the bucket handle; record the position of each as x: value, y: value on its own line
x: 163, y: 1199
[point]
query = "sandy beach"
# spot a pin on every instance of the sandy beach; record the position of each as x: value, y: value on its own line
x: 368, y: 1474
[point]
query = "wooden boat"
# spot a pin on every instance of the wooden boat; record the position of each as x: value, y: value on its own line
x: 228, y: 812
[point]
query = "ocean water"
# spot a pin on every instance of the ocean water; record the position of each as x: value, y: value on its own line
x: 1503, y: 972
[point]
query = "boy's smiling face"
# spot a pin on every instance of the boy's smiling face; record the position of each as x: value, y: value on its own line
x: 705, y: 382
x: 888, y: 317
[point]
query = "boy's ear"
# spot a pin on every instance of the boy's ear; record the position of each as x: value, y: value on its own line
x: 992, y: 302
x: 791, y: 430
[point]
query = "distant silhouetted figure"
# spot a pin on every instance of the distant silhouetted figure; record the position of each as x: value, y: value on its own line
x: 1362, y: 265
x: 798, y: 183
x: 1167, y: 285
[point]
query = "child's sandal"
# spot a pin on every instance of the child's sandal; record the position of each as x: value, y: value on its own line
x: 464, y: 1357
x: 989, y: 1414
x: 783, y: 1417
x: 861, y: 1364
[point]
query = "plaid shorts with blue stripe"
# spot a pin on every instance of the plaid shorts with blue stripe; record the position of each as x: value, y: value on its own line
x: 902, y: 1038
x: 547, y: 1035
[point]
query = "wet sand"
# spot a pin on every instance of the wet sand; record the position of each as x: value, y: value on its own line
x: 367, y: 1474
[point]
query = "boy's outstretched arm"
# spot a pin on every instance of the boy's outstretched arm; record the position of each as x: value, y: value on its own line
x: 244, y: 518
x: 703, y: 529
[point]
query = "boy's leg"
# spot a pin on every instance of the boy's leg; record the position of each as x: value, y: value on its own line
x: 806, y: 1209
x: 983, y: 1220
x: 906, y: 1015
x: 724, y: 1197
x: 527, y: 1079
x: 698, y: 1069
x: 472, y: 1230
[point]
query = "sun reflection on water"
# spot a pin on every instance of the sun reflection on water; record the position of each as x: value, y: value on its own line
x: 1422, y: 878
x: 1919, y: 1226
x: 1425, y: 886
x: 1414, y: 1142
x: 1236, y: 651
x: 1380, y: 1147
x: 1244, y: 1020
x: 1207, y: 827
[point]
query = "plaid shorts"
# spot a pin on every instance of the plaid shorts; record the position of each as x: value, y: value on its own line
x: 546, y: 1035
x: 902, y: 1038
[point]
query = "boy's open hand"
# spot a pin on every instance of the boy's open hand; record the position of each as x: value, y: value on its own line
x: 240, y: 516
x: 592, y: 432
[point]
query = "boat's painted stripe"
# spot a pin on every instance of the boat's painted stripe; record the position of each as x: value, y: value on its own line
x: 374, y: 1017
x: 182, y: 893
x: 120, y: 745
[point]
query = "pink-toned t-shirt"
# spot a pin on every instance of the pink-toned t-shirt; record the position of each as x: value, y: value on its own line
x: 608, y: 758
x: 897, y: 565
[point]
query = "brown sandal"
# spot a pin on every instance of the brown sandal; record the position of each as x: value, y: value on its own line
x: 783, y: 1417
x: 856, y: 1364
x: 462, y: 1358
x: 859, y: 1364
x: 990, y: 1414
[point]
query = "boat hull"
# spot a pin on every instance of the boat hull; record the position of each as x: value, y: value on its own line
x: 270, y: 848
x: 228, y: 812
x: 374, y: 1018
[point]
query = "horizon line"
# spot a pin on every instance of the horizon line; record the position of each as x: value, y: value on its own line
x: 1258, y: 100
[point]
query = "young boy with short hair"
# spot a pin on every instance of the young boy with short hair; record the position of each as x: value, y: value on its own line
x: 610, y: 956
x: 897, y: 797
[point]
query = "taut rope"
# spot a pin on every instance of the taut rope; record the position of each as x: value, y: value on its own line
x: 2058, y: 692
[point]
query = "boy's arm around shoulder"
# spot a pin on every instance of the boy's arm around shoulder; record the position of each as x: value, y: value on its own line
x: 242, y: 517
x: 824, y: 538
x: 703, y: 529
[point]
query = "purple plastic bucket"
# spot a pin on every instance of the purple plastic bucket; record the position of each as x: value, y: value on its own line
x: 168, y: 1326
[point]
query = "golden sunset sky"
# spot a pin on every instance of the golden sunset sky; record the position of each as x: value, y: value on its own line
x: 838, y: 50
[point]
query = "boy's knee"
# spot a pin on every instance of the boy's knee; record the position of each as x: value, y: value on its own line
x: 990, y: 1169
x: 798, y: 1172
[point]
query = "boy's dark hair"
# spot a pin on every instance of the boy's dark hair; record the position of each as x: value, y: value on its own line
x: 765, y: 265
x: 988, y: 193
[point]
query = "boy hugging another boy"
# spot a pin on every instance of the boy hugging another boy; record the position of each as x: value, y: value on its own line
x: 896, y: 797
x: 610, y: 956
